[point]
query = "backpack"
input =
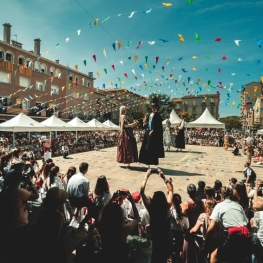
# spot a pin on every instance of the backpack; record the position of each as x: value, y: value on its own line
x: 253, y: 175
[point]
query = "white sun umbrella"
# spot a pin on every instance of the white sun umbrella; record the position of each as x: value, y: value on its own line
x: 98, y: 125
x: 111, y: 125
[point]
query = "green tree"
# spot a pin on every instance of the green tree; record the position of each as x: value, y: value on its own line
x: 232, y: 122
x: 188, y: 116
x: 166, y: 105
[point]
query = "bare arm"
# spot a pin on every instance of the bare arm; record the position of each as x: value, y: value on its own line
x: 169, y: 186
x: 195, y: 228
x: 144, y: 197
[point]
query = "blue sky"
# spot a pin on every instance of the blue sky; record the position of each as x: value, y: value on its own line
x: 54, y: 21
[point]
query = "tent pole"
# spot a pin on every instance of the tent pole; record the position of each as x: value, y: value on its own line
x: 13, y: 139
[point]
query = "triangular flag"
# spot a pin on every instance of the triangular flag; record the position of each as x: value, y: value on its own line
x: 119, y: 43
x: 98, y: 74
x: 139, y: 44
x: 197, y: 38
x: 94, y: 57
x: 85, y: 62
x: 96, y: 21
x: 105, y: 70
x: 146, y: 59
x: 114, y: 46
x: 135, y: 58
x: 237, y: 42
x: 104, y: 52
x: 181, y: 38
x: 156, y: 60
x: 77, y: 67
x: 113, y: 67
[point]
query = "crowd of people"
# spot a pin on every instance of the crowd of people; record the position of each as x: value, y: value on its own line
x: 229, y: 218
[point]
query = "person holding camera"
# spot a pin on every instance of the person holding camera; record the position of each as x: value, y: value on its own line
x: 159, y: 211
x: 14, y: 227
x: 113, y: 231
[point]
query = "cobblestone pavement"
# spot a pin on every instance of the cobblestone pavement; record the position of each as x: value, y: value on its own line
x: 193, y: 164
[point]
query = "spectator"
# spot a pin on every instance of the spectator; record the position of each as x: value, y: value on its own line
x: 71, y: 171
x: 78, y: 190
x: 200, y: 194
x: 209, y: 192
x: 159, y: 211
x: 192, y: 208
x: 18, y: 153
x: 53, y: 180
x: 14, y: 227
x: 231, y: 214
x: 217, y: 189
x: 240, y: 195
x: 6, y: 162
x: 232, y: 182
x: 179, y: 226
x: 203, y: 223
x: 114, y: 232
x: 48, y: 230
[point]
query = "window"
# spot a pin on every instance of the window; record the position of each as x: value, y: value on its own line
x: 212, y: 110
x: 194, y: 103
x: 1, y: 55
x: 40, y: 86
x: 54, y: 89
x: 21, y: 60
x: 24, y: 82
x: 43, y: 69
x: 57, y: 74
x: 28, y: 63
x: 9, y: 56
x: 85, y: 115
x: 4, y: 77
x: 52, y: 71
x: 74, y: 95
x: 194, y: 109
x: 37, y: 66
x: 26, y: 104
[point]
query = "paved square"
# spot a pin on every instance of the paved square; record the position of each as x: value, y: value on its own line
x: 193, y: 164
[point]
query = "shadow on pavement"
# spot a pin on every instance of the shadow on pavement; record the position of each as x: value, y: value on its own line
x: 171, y: 172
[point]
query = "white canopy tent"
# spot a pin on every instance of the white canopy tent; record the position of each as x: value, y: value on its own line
x: 111, y: 125
x: 206, y: 120
x: 260, y: 132
x: 57, y: 124
x: 174, y: 119
x: 23, y: 123
x: 98, y: 125
x: 77, y: 123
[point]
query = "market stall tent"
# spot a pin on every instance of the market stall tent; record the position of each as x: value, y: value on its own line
x: 174, y: 118
x: 111, y: 125
x: 80, y: 125
x: 57, y: 124
x: 96, y: 124
x: 206, y: 120
x: 23, y: 123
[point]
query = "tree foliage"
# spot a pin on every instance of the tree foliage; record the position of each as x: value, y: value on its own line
x: 232, y: 122
x: 166, y: 105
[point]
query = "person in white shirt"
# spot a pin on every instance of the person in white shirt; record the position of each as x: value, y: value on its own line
x: 78, y: 190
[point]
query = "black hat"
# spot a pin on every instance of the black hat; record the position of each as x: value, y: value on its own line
x: 155, y: 101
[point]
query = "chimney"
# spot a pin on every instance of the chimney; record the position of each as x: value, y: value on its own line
x: 37, y: 46
x: 7, y: 33
x: 57, y: 61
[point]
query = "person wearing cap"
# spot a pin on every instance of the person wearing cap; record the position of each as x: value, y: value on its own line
x: 152, y: 146
x: 48, y: 229
x: 180, y: 140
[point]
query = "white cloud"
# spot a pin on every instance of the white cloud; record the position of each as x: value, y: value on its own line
x: 227, y: 5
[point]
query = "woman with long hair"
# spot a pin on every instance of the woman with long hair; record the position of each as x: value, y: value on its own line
x: 70, y: 172
x: 159, y: 211
x: 179, y: 226
x: 101, y: 190
x: 240, y: 195
x: 203, y: 223
x: 127, y: 146
x: 53, y: 180
x: 217, y: 189
x: 114, y: 232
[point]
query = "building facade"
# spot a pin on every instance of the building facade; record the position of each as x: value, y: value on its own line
x: 251, y: 104
x: 196, y: 105
x: 37, y: 86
